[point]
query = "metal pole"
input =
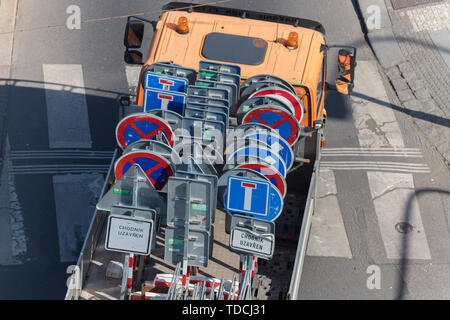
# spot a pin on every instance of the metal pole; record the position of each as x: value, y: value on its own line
x: 185, y: 266
x: 123, y: 289
x: 251, y: 269
x: 175, y: 274
x: 140, y: 270
x: 186, y: 292
x: 203, y: 291
x: 303, y: 240
x: 130, y: 274
x: 220, y: 293
x: 243, y: 287
x: 242, y: 267
x: 194, y: 294
x: 212, y: 291
x: 233, y: 289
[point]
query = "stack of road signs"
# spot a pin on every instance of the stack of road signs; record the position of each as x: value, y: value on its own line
x: 209, y: 101
x: 189, y: 221
x: 192, y: 190
x: 269, y: 115
x: 163, y: 91
x: 259, y: 82
x: 191, y: 207
x: 259, y: 148
x: 258, y: 157
x: 136, y: 209
x: 182, y: 102
x: 173, y: 69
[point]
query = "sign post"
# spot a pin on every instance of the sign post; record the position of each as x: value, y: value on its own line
x: 252, y: 236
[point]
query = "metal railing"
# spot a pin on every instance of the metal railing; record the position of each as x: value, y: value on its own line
x: 79, y: 272
x: 305, y: 228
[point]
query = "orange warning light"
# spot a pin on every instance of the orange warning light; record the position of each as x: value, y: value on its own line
x: 182, y: 25
x: 292, y: 41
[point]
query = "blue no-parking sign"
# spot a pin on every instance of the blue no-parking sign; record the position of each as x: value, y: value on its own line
x: 255, y: 198
x: 261, y: 152
x: 165, y: 100
x: 276, y: 144
x: 165, y: 83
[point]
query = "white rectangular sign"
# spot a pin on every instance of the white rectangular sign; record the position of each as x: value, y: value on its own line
x: 246, y: 241
x: 129, y: 234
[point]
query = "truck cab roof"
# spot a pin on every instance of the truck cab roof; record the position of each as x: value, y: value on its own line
x: 257, y: 46
x: 210, y: 33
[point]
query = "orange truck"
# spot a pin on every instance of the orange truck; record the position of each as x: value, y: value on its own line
x: 290, y: 48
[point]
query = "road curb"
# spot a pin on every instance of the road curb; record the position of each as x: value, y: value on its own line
x: 409, y: 87
x: 380, y: 36
x: 8, y: 14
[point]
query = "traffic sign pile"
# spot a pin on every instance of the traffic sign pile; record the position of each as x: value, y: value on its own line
x: 175, y: 143
x: 259, y: 156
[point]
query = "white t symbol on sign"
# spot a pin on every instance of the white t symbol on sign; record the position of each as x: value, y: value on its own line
x: 276, y: 147
x: 248, y: 195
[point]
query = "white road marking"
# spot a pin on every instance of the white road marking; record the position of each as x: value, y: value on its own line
x: 328, y: 237
x: 370, y: 152
x: 391, y: 191
x: 60, y: 154
x: 59, y: 168
x: 377, y: 166
x: 375, y: 149
x: 67, y: 113
x: 393, y: 194
x: 75, y: 199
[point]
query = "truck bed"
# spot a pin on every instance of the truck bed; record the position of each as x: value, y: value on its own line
x: 274, y: 278
x: 223, y: 263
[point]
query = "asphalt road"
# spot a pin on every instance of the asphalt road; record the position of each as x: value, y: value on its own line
x: 97, y: 48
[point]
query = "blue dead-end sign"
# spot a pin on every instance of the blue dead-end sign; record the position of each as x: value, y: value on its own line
x: 254, y: 198
x: 165, y: 83
x: 165, y: 100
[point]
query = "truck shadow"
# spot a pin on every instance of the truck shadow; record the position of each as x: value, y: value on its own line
x: 42, y: 271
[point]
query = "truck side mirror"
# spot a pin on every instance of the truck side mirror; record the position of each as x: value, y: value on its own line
x: 343, y: 87
x: 133, y: 57
x: 134, y: 33
x: 346, y: 71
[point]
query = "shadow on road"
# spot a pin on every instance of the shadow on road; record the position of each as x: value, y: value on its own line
x: 42, y: 275
x: 404, y: 264
x: 26, y: 120
x: 413, y: 113
x: 338, y: 106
